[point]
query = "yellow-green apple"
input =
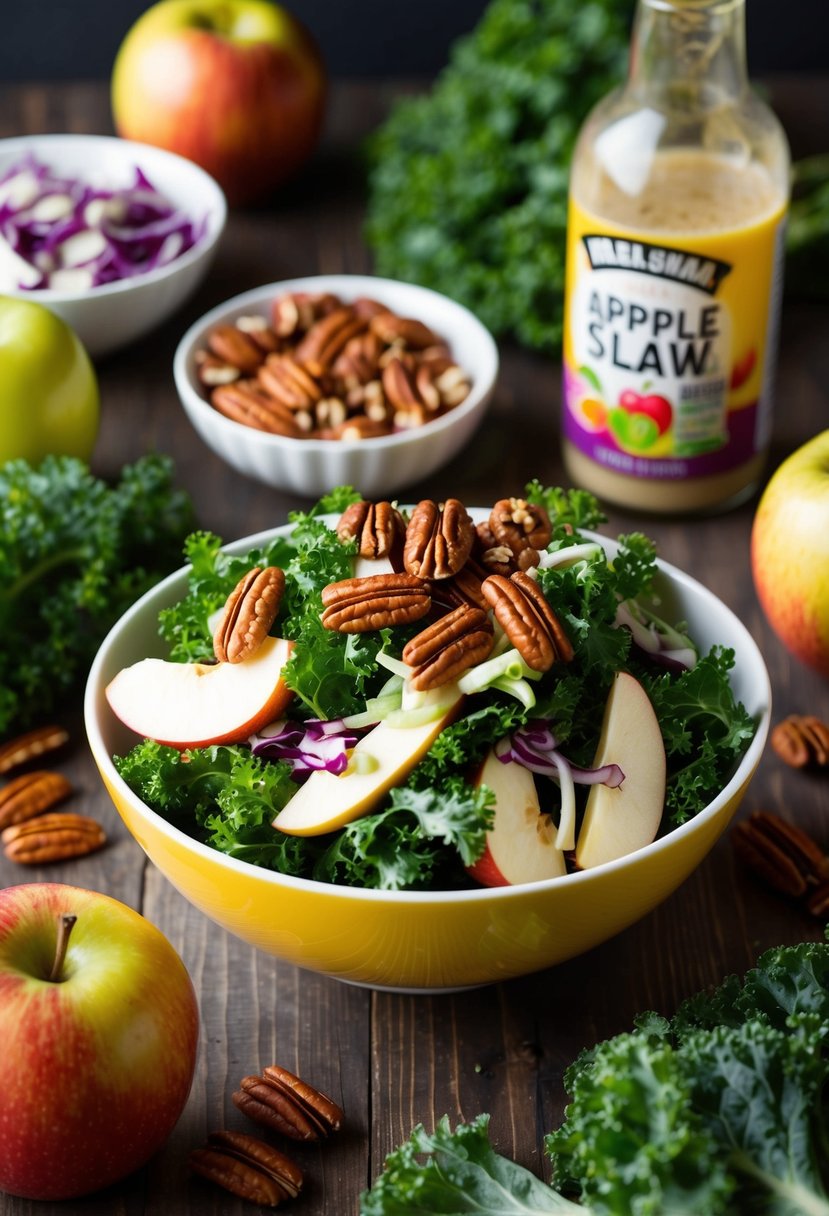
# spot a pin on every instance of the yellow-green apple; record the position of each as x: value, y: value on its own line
x: 790, y: 552
x: 521, y: 844
x: 49, y: 400
x: 620, y: 820
x: 238, y: 86
x: 380, y: 760
x: 196, y: 704
x: 99, y: 1025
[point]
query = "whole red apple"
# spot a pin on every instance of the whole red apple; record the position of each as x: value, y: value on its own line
x: 790, y: 552
x: 656, y: 407
x: 99, y: 1026
x: 238, y: 86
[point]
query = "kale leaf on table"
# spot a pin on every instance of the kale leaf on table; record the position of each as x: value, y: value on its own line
x: 468, y: 184
x: 720, y: 1111
x: 75, y: 553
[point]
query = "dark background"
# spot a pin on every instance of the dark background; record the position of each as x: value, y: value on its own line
x: 78, y: 39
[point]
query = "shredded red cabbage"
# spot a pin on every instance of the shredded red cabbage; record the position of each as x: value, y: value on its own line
x: 534, y: 746
x: 62, y: 233
x: 307, y: 746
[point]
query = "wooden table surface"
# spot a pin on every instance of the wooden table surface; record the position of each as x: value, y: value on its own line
x: 392, y: 1060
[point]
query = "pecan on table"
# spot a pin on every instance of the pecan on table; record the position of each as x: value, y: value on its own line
x: 449, y: 647
x: 360, y: 605
x: 34, y: 743
x: 248, y: 1168
x: 438, y: 539
x: 522, y: 527
x: 782, y: 855
x: 378, y: 528
x: 55, y: 836
x: 249, y: 612
x: 801, y: 740
x: 30, y: 795
x: 528, y: 620
x: 282, y: 1101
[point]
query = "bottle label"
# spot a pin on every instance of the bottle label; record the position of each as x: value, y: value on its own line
x: 669, y: 346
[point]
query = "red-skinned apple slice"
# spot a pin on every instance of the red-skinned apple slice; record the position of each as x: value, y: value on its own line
x: 196, y: 704
x: 520, y: 846
x: 619, y: 821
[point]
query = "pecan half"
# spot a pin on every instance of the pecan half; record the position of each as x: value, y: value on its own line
x: 247, y: 1167
x: 450, y: 646
x: 529, y: 622
x: 783, y: 856
x: 285, y: 1103
x: 438, y: 539
x: 295, y: 312
x: 213, y: 372
x: 464, y: 587
x: 361, y: 428
x: 801, y: 740
x: 249, y: 612
x: 31, y: 794
x: 245, y: 402
x: 55, y: 836
x: 29, y: 746
x: 359, y: 605
x: 406, y: 331
x: 233, y: 346
x: 326, y: 338
x: 287, y: 381
x: 357, y: 362
x: 378, y: 528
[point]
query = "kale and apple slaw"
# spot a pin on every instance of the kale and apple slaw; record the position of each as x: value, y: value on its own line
x: 432, y: 826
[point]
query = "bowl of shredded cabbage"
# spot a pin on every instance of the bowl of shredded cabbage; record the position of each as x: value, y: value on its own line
x: 111, y: 235
x: 421, y: 817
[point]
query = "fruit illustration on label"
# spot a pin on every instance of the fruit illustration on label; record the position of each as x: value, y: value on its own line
x: 637, y: 432
x: 589, y: 406
x: 742, y: 369
x: 655, y: 407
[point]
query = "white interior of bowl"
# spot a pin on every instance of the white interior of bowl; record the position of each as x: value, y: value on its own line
x: 111, y: 162
x: 472, y: 346
x: 710, y: 623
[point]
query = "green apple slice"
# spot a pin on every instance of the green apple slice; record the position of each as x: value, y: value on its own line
x: 382, y: 759
x: 619, y: 821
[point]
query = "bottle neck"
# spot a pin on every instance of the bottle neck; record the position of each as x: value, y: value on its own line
x: 688, y: 55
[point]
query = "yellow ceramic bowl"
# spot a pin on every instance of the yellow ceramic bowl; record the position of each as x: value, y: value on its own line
x: 424, y: 941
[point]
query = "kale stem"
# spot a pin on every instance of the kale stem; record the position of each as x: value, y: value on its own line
x: 66, y: 557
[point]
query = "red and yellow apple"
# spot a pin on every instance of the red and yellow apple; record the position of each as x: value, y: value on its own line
x: 196, y: 704
x: 790, y: 552
x: 99, y: 1042
x: 521, y: 844
x: 238, y: 86
x: 650, y: 404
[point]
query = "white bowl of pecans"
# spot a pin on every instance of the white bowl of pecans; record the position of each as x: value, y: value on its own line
x: 337, y: 380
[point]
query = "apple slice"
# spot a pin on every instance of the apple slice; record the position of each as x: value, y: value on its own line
x: 619, y: 821
x: 520, y: 846
x: 196, y: 704
x: 380, y: 760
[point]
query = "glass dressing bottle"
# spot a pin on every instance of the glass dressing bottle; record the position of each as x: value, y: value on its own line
x: 678, y: 196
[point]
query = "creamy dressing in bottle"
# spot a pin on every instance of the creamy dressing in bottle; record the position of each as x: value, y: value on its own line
x: 678, y: 195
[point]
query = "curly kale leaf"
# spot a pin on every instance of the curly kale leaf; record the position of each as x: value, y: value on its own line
x: 75, y: 553
x: 468, y: 185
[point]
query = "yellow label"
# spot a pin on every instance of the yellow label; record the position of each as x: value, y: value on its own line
x: 669, y: 346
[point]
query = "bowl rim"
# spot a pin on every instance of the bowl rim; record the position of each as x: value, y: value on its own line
x: 740, y: 777
x: 194, y: 403
x: 215, y: 216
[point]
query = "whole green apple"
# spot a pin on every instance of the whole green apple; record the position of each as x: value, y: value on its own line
x: 48, y: 388
x: 99, y: 1026
x: 238, y: 86
x: 790, y: 552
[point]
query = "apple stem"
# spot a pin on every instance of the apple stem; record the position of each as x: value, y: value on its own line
x: 66, y: 923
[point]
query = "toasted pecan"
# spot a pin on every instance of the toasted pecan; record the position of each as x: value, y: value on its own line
x: 439, y: 539
x: 31, y: 794
x: 377, y: 527
x: 527, y: 619
x: 16, y: 752
x: 801, y: 740
x: 359, y: 605
x: 282, y: 1101
x: 249, y: 612
x: 248, y: 1168
x: 448, y: 647
x: 55, y: 836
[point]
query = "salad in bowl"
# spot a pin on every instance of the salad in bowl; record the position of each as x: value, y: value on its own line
x: 431, y: 699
